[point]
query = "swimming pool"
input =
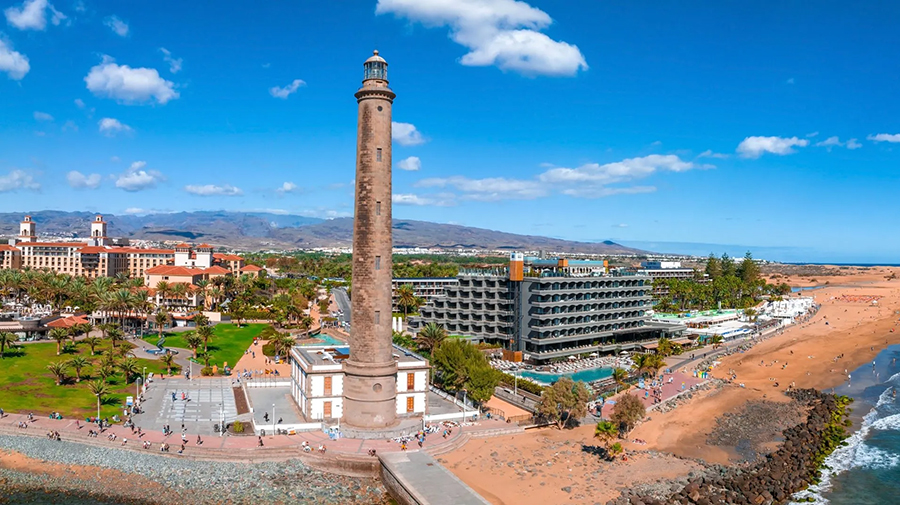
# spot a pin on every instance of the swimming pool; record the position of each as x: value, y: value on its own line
x: 327, y: 340
x: 589, y: 375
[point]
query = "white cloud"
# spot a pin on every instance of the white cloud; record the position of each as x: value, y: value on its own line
x: 137, y: 178
x: 504, y: 33
x: 174, y: 63
x: 790, y: 81
x: 412, y: 164
x: 18, y: 179
x: 710, y: 154
x: 42, y: 116
x: 287, y: 90
x: 14, y: 63
x: 69, y: 125
x: 33, y: 15
x: 137, y: 211
x: 115, y: 159
x: 287, y: 187
x: 831, y: 142
x: 620, y: 225
x: 118, y: 26
x: 111, y: 127
x: 488, y: 189
x: 79, y: 180
x: 811, y: 135
x: 129, y: 85
x: 324, y: 213
x: 441, y: 200
x: 885, y: 137
x: 79, y: 103
x: 754, y: 147
x: 591, y: 180
x: 213, y: 190
x: 406, y: 134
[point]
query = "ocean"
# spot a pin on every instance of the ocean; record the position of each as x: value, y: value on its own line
x: 867, y: 470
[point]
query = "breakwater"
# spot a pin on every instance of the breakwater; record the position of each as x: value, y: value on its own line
x: 791, y: 468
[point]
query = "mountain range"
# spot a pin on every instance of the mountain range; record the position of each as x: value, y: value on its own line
x: 263, y: 230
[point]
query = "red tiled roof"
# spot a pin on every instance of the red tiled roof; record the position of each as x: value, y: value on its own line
x: 216, y: 270
x: 139, y: 250
x: 52, y: 244
x: 183, y: 246
x: 251, y: 268
x: 204, y: 246
x: 227, y: 257
x: 173, y: 270
x: 93, y: 250
x: 67, y: 322
x: 7, y: 247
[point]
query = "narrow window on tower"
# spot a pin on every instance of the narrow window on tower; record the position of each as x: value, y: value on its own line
x: 377, y: 317
x: 377, y: 208
x: 377, y: 262
x: 378, y: 154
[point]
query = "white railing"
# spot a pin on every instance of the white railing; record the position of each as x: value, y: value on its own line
x: 452, y: 415
x: 267, y: 382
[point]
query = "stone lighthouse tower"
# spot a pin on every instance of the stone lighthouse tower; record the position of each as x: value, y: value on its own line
x: 370, y: 373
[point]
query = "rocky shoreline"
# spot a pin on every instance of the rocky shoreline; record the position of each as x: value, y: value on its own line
x: 774, y: 479
x: 65, y: 472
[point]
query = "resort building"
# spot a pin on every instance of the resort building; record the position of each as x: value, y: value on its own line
x: 427, y: 288
x: 317, y: 381
x: 550, y: 309
x: 97, y: 257
x: 662, y: 270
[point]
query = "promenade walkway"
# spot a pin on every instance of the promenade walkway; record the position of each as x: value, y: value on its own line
x: 680, y: 382
x: 428, y: 482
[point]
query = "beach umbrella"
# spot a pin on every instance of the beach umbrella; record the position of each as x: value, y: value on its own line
x: 573, y: 357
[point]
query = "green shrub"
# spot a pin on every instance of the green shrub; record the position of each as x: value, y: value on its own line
x: 237, y: 427
x: 206, y: 371
x: 523, y: 383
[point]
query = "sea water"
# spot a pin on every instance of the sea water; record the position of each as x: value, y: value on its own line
x: 866, y: 471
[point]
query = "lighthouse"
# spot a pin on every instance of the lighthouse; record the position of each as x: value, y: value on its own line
x: 370, y: 372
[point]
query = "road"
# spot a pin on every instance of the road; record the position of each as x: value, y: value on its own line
x: 343, y: 302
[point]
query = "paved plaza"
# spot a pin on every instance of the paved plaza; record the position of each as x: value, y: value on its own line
x: 285, y: 409
x: 205, y: 404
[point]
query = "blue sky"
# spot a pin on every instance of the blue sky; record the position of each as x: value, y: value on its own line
x: 771, y: 124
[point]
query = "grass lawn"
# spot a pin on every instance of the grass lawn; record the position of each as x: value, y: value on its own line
x: 227, y: 346
x: 27, y: 386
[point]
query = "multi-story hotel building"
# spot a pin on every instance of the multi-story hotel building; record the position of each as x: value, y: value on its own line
x: 95, y: 257
x: 427, y: 288
x: 549, y: 308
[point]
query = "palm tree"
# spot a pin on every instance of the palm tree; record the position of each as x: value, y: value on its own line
x: 664, y: 347
x: 60, y: 335
x: 161, y: 319
x: 105, y: 371
x: 93, y: 342
x: 201, y: 320
x: 193, y: 341
x: 78, y: 363
x: 168, y: 360
x: 99, y: 389
x: 406, y: 298
x: 7, y: 339
x: 619, y: 375
x: 129, y: 367
x: 58, y: 369
x: 115, y: 335
x: 306, y: 322
x: 606, y: 431
x: 716, y: 341
x: 430, y: 337
x: 614, y: 450
x: 206, y: 333
x: 163, y: 290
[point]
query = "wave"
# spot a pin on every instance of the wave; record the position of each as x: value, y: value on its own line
x: 855, y: 453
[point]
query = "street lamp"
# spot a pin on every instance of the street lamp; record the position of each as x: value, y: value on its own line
x: 144, y: 375
x: 273, y: 419
x: 222, y: 415
x: 516, y: 385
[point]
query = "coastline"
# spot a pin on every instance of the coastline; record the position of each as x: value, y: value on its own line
x: 856, y: 330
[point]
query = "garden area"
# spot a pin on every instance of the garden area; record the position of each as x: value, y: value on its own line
x: 35, y: 379
x: 225, y: 344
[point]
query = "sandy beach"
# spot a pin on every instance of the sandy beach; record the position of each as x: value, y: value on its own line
x: 856, y: 328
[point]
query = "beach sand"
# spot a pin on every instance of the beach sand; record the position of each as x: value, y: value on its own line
x: 495, y: 467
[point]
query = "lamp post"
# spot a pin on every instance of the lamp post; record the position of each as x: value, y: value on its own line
x: 516, y: 381
x: 273, y: 419
x: 222, y: 415
x: 137, y: 385
x: 144, y: 375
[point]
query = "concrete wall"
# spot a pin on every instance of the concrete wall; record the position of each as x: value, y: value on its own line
x: 419, y: 401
